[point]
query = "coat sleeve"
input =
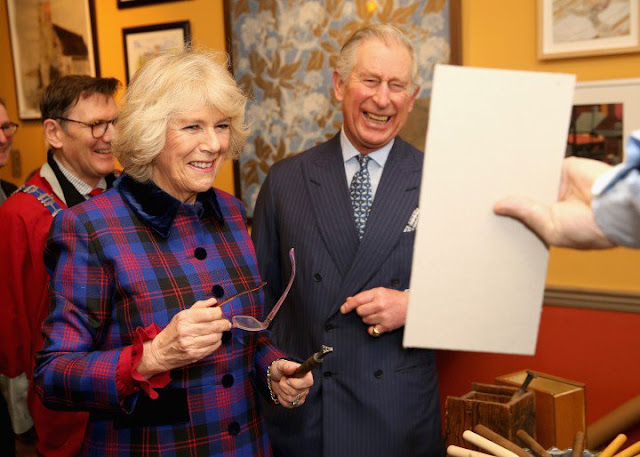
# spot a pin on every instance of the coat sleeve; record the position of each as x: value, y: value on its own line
x: 71, y: 371
x: 23, y: 282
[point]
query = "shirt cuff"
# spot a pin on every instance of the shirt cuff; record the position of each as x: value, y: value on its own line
x: 128, y: 379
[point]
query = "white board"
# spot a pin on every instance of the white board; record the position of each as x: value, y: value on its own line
x: 478, y: 279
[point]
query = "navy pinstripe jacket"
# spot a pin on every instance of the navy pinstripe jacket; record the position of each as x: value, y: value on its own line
x: 371, y: 396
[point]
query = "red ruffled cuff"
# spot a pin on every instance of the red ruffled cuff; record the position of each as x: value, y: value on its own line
x: 128, y: 379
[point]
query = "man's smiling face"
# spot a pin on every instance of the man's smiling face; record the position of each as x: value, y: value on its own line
x: 378, y: 94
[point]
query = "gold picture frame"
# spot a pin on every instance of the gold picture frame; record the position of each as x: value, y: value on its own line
x: 47, y: 42
x: 589, y: 28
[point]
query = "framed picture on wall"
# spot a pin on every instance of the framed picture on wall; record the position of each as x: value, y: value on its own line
x: 604, y: 114
x: 131, y: 3
x: 48, y: 40
x: 284, y: 56
x: 142, y: 43
x: 598, y: 27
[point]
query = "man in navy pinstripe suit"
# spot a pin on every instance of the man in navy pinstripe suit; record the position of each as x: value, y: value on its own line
x: 373, y: 397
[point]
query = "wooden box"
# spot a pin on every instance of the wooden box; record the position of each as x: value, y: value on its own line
x: 560, y: 407
x: 493, y: 407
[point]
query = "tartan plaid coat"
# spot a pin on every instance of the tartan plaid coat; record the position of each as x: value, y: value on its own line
x: 130, y: 258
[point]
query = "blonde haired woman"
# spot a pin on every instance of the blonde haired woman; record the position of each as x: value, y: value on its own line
x: 135, y: 335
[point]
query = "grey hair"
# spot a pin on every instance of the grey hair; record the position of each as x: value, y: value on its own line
x: 165, y: 87
x: 386, y: 33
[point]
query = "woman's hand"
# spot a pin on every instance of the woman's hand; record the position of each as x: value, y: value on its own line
x: 191, y: 335
x: 291, y: 392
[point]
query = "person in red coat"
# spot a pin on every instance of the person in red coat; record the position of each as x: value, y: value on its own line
x: 7, y: 130
x: 78, y: 115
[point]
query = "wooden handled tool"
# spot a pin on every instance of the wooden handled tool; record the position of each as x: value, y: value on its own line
x: 312, y: 362
x: 532, y: 444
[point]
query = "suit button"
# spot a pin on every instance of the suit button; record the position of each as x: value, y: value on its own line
x: 233, y: 428
x: 200, y: 253
x: 395, y: 283
x: 327, y: 374
x: 378, y: 374
x: 227, y: 380
x: 329, y: 326
x: 317, y: 277
x: 217, y: 291
x: 226, y: 337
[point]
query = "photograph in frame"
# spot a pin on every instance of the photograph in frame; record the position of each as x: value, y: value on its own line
x: 613, y: 108
x: 595, y: 132
x: 284, y: 59
x: 142, y: 43
x: 48, y: 40
x: 567, y: 28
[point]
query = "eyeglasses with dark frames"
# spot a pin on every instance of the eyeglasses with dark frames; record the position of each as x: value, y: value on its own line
x: 98, y: 128
x: 9, y: 128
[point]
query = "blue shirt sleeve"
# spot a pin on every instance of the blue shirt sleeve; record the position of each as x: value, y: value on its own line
x: 616, y: 202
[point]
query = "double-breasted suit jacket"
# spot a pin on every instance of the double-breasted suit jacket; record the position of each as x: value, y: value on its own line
x: 370, y: 396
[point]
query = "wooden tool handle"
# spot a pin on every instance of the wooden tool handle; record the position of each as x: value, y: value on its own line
x: 457, y: 451
x: 613, y: 447
x: 622, y: 418
x: 630, y: 451
x: 312, y: 362
x: 487, y: 445
x: 578, y: 444
x: 306, y: 367
x: 502, y: 441
x: 532, y: 444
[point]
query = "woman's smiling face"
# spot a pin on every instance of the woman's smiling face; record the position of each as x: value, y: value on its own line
x: 196, y: 145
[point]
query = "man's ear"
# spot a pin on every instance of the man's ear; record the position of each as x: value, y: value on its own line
x: 413, y: 98
x: 52, y: 133
x: 338, y: 86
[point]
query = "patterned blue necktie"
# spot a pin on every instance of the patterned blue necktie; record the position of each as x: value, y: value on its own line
x: 360, y: 192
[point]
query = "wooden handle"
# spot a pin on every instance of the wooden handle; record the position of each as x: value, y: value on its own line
x: 613, y: 447
x: 502, y: 441
x: 578, y: 444
x: 457, y: 451
x: 622, y: 418
x: 487, y: 445
x: 532, y: 444
x: 630, y: 451
x: 306, y: 367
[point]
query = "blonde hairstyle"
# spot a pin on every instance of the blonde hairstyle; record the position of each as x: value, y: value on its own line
x: 385, y: 33
x: 165, y: 87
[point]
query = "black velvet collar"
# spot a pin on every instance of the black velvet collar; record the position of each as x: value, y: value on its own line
x: 158, y: 209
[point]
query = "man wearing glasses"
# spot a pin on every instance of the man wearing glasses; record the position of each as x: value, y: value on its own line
x: 78, y: 114
x: 7, y: 130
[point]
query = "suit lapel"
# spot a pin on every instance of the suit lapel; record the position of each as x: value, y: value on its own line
x: 326, y: 183
x: 394, y: 202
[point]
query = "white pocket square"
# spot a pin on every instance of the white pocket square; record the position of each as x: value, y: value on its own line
x: 413, y: 221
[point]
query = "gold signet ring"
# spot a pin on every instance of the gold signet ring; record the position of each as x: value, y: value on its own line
x: 375, y: 332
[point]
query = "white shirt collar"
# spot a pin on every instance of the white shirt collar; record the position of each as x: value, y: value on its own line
x: 349, y: 151
x: 82, y: 187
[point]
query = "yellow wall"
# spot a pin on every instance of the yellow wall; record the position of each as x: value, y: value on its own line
x: 502, y: 34
x: 207, y: 30
x: 495, y: 33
